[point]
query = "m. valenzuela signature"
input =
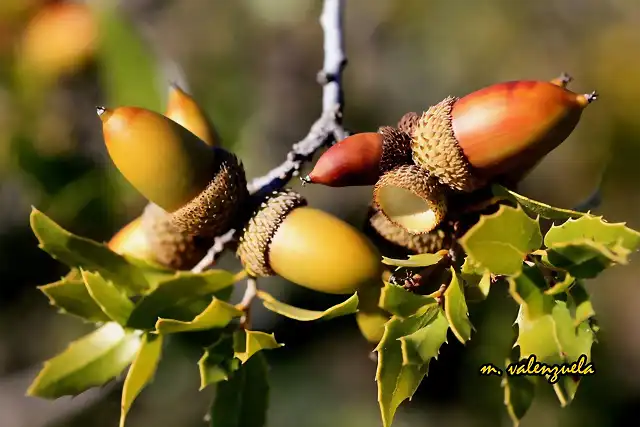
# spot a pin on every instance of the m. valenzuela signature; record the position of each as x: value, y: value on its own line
x: 530, y: 366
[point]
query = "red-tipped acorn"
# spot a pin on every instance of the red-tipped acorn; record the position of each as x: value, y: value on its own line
x: 362, y: 158
x: 501, y: 131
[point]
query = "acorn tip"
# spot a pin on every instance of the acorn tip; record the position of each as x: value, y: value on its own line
x: 587, y: 98
x: 563, y: 80
x: 305, y: 180
x: 100, y: 110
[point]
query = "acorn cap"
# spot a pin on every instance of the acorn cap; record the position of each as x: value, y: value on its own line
x: 213, y: 211
x: 430, y: 242
x: 396, y: 149
x: 184, y: 110
x: 411, y: 199
x: 436, y: 149
x: 164, y: 161
x: 169, y: 246
x: 253, y: 247
x: 408, y: 122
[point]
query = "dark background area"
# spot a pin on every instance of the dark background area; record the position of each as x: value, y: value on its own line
x: 252, y: 65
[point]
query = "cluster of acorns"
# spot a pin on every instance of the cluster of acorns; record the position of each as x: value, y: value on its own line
x: 198, y: 190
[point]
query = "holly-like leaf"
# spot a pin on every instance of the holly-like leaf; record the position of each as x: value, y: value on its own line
x: 84, y: 253
x: 141, y: 372
x: 584, y: 259
x: 91, y: 361
x: 218, y: 362
x: 580, y: 302
x: 396, y: 380
x: 110, y: 299
x: 527, y: 288
x: 178, y: 291
x: 519, y: 392
x: 477, y: 278
x: 423, y: 345
x: 242, y: 401
x: 218, y: 314
x: 347, y: 307
x: 70, y: 295
x: 535, y: 208
x: 455, y: 309
x: 397, y: 300
x: 421, y: 260
x: 561, y: 286
x: 247, y: 343
x: 596, y: 229
x: 499, y: 242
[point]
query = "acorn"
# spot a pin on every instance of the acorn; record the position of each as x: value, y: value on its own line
x: 500, y: 131
x: 184, y: 110
x: 307, y: 246
x: 59, y: 39
x: 431, y: 242
x: 360, y: 159
x: 411, y: 199
x: 131, y: 240
x: 202, y: 187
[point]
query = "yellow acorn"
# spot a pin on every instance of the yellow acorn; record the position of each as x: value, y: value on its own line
x: 411, y: 199
x: 59, y: 39
x: 202, y: 187
x: 131, y: 240
x: 307, y: 246
x: 183, y: 109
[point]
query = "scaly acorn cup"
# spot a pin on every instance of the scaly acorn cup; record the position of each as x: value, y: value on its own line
x: 202, y: 187
x: 60, y: 38
x: 360, y: 159
x: 411, y: 199
x: 499, y: 131
x: 184, y: 110
x: 307, y: 246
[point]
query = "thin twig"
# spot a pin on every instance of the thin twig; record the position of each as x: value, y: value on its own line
x: 245, y: 305
x: 325, y: 131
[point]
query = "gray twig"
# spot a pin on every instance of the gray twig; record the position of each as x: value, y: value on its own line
x: 325, y: 131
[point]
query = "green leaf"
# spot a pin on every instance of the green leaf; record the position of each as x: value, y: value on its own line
x: 177, y: 291
x: 242, y: 401
x: 500, y: 241
x: 519, y: 392
x: 141, y: 372
x: 88, y: 362
x: 527, y: 288
x: 112, y: 302
x: 561, y: 286
x: 594, y: 228
x: 399, y: 301
x: 71, y: 296
x: 476, y: 276
x: 85, y: 253
x: 455, y: 309
x: 129, y: 70
x: 581, y: 303
x: 247, y: 343
x: 423, y: 345
x: 396, y: 380
x: 218, y: 362
x: 584, y: 260
x: 349, y: 306
x: 218, y: 314
x: 421, y: 260
x: 535, y: 208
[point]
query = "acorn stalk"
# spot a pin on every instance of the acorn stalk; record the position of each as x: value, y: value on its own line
x: 307, y: 246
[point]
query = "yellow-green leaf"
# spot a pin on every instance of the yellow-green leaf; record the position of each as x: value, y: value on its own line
x: 113, y: 303
x: 533, y: 207
x: 519, y: 392
x: 499, y: 242
x: 421, y: 260
x: 247, y: 343
x: 70, y: 295
x: 594, y: 228
x: 84, y: 253
x: 476, y: 277
x: 88, y: 362
x: 171, y: 295
x: 561, y: 286
x: 423, y: 345
x: 141, y: 372
x: 217, y: 315
x: 398, y: 381
x: 455, y: 308
x: 218, y: 362
x: 349, y: 306
x: 242, y: 401
x: 399, y: 301
x: 583, y: 259
x: 581, y: 303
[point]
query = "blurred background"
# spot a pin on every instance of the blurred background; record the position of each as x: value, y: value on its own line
x: 252, y: 65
